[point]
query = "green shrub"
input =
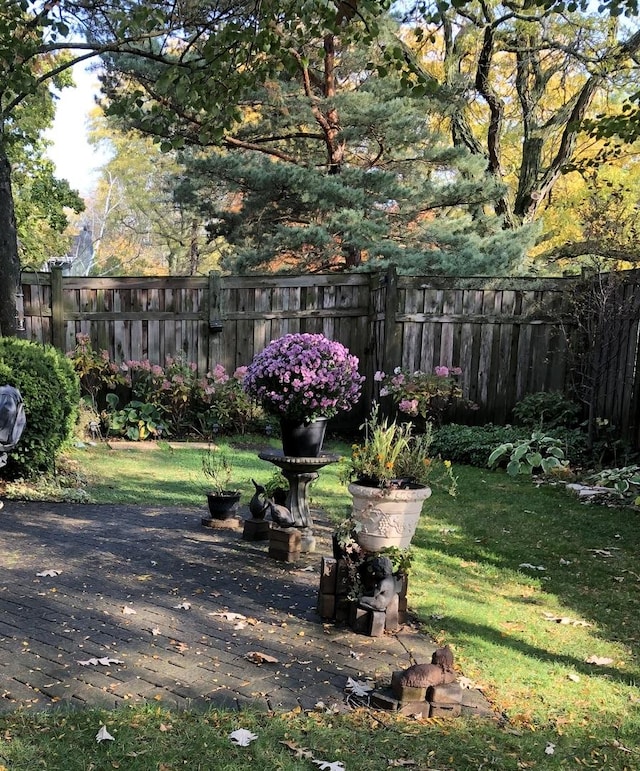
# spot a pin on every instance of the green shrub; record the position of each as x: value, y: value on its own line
x: 50, y: 390
x: 472, y: 445
x: 546, y: 410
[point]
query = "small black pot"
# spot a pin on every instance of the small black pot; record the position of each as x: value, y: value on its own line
x: 223, y: 505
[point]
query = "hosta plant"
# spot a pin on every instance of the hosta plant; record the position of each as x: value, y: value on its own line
x: 538, y: 453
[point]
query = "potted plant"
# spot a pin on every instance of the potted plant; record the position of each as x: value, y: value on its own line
x: 388, y: 476
x: 222, y: 498
x: 304, y: 379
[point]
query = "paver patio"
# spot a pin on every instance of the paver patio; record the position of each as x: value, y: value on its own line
x: 154, y: 590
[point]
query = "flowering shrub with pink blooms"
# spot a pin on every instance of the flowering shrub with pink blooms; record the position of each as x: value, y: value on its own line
x: 423, y: 394
x: 186, y: 404
x: 302, y: 377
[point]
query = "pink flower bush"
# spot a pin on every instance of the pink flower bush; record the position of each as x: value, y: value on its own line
x: 302, y: 377
x: 421, y: 393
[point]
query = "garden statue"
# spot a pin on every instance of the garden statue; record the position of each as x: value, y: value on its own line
x: 281, y: 515
x: 386, y: 585
x: 424, y: 675
x: 259, y: 503
x: 12, y: 420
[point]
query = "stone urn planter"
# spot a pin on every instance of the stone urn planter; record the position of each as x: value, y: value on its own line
x: 387, y: 516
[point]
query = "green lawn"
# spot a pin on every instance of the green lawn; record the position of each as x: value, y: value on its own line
x: 523, y: 634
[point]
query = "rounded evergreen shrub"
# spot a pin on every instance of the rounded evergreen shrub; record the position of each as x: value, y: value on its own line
x: 51, y: 393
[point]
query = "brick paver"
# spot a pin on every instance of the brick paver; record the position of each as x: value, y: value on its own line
x: 151, y: 588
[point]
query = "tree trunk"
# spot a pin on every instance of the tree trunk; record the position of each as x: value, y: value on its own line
x: 9, y: 260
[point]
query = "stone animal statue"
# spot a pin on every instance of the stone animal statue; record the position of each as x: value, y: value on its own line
x: 386, y: 585
x: 438, y: 672
x: 259, y: 503
x: 280, y: 514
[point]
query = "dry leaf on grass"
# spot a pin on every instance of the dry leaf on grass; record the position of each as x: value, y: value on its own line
x: 600, y: 661
x: 104, y: 735
x: 530, y: 566
x: 300, y: 752
x: 324, y: 765
x: 242, y: 737
x: 564, y: 620
x: 550, y: 748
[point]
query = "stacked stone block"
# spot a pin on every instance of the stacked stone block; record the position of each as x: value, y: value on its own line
x: 334, y: 603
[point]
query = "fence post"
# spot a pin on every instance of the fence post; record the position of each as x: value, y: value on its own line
x: 216, y: 321
x: 57, y: 309
x: 215, y: 302
x: 392, y: 350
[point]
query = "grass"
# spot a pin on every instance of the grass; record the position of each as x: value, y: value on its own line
x: 470, y: 587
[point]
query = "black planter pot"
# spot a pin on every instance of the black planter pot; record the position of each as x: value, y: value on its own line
x: 303, y: 440
x: 223, y: 505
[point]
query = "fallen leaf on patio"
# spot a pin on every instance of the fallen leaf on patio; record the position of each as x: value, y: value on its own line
x: 550, y: 748
x: 242, y: 737
x: 49, y: 573
x: 308, y: 569
x: 601, y: 661
x: 325, y: 766
x: 183, y: 606
x: 564, y: 620
x: 241, y: 625
x: 105, y: 661
x: 530, y: 566
x: 355, y: 655
x: 261, y: 658
x: 229, y: 616
x: 155, y: 631
x: 104, y: 735
x: 127, y: 611
x: 358, y: 687
x: 180, y: 646
x: 301, y: 752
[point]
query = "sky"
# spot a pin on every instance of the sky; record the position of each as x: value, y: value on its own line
x: 73, y: 156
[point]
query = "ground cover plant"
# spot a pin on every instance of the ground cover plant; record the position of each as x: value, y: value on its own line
x: 536, y: 592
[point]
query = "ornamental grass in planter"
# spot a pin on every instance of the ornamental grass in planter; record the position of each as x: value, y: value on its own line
x: 389, y: 476
x: 222, y: 497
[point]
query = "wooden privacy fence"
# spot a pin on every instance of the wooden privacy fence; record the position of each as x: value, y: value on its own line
x: 507, y: 334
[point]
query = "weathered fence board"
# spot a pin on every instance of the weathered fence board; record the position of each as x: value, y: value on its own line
x: 507, y: 334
